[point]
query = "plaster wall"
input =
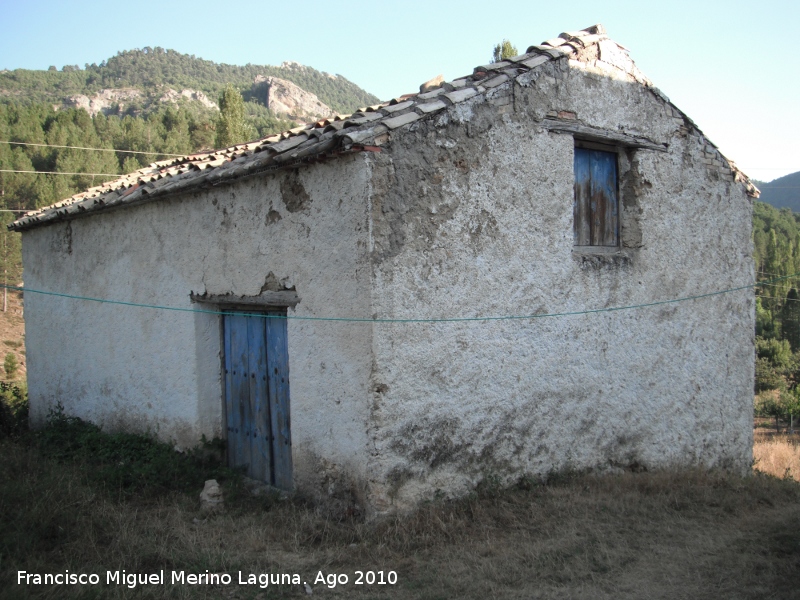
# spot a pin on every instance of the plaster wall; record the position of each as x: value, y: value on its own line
x: 473, y: 217
x: 145, y: 369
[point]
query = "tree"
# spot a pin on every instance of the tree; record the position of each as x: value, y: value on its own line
x: 775, y: 364
x: 10, y: 365
x: 766, y: 325
x: 231, y: 125
x: 503, y: 50
x: 790, y: 319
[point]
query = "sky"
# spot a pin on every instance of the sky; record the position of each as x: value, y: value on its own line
x: 728, y: 65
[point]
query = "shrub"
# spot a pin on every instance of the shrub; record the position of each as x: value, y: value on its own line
x: 777, y: 403
x: 768, y: 377
x: 10, y: 365
x: 13, y: 409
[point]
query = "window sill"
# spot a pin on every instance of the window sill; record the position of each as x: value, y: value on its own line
x: 597, y: 256
x: 604, y: 250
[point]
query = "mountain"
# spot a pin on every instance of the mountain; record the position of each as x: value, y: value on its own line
x: 136, y: 81
x: 782, y: 192
x: 144, y: 105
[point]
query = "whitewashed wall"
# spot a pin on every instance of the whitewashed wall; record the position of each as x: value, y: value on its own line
x: 155, y: 370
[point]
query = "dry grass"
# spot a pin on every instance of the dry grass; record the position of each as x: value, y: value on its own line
x: 646, y: 535
x: 12, y: 333
x: 777, y: 454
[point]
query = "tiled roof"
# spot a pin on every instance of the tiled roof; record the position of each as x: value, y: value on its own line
x: 360, y: 131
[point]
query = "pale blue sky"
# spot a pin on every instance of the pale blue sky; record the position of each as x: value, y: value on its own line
x: 729, y: 65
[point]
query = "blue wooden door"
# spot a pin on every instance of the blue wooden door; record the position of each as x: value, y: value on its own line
x: 257, y: 396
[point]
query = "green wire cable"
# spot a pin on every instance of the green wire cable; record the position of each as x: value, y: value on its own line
x: 417, y: 320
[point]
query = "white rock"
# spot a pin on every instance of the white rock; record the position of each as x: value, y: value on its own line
x: 211, y: 496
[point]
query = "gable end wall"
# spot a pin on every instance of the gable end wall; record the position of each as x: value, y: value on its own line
x: 473, y: 217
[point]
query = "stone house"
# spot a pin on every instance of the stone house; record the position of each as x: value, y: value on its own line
x: 341, y: 302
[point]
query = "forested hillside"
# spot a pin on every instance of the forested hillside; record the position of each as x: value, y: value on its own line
x: 151, y: 69
x: 168, y: 130
x: 783, y: 192
x: 776, y: 239
x: 172, y: 129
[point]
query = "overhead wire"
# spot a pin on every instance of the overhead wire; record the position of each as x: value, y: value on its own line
x: 778, y: 299
x: 389, y: 320
x: 79, y: 148
x: 60, y: 173
x: 95, y: 149
x: 760, y: 283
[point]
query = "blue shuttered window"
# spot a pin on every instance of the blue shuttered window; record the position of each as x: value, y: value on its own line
x: 596, y: 204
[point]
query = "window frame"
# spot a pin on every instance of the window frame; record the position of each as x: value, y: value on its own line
x: 614, y: 150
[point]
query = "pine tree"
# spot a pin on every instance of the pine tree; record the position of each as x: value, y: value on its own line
x: 503, y: 50
x: 10, y: 365
x: 231, y: 125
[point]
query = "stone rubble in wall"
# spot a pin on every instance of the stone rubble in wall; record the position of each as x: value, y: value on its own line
x: 371, y: 127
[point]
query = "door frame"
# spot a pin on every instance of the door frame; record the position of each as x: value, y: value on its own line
x: 266, y: 302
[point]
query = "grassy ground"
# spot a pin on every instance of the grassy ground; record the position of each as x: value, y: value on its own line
x: 644, y: 535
